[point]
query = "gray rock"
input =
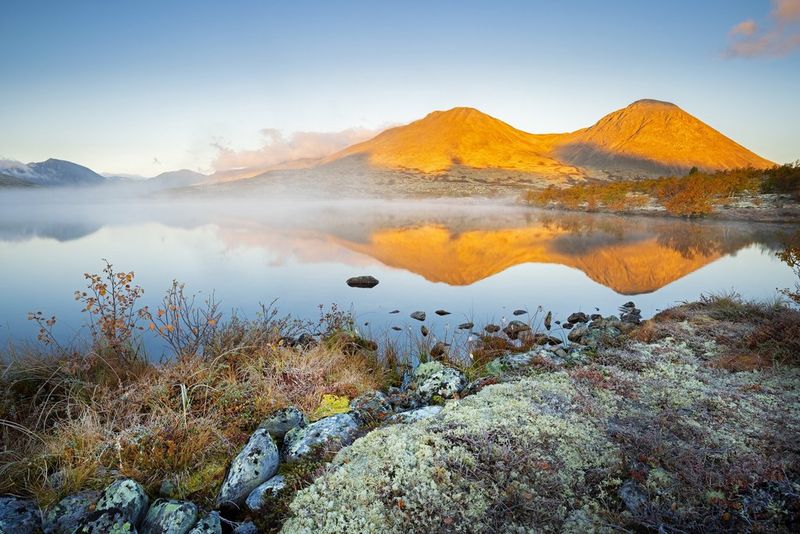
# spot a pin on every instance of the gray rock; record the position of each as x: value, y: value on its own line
x: 418, y: 315
x: 336, y: 430
x: 446, y: 383
x: 415, y: 415
x: 442, y: 312
x: 371, y: 406
x: 578, y: 317
x: 65, y: 516
x: 109, y: 521
x: 492, y: 328
x: 466, y: 326
x: 18, y: 516
x: 548, y: 320
x: 261, y: 497
x: 210, y: 524
x: 365, y: 282
x: 248, y: 527
x: 404, y: 400
x: 424, y: 330
x: 520, y: 312
x: 126, y: 495
x: 394, y: 312
x: 510, y: 362
x: 257, y: 462
x: 167, y: 516
x: 576, y: 334
x: 514, y: 328
x: 438, y: 350
x: 633, y: 496
x: 278, y: 423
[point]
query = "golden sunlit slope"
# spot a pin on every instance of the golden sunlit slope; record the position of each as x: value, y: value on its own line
x: 460, y: 136
x: 656, y: 136
x: 439, y: 255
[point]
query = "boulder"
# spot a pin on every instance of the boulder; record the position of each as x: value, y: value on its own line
x: 445, y: 382
x: 365, y: 282
x: 210, y: 524
x: 509, y: 362
x: 126, y: 495
x: 514, y: 328
x: 415, y: 415
x: 371, y: 406
x: 248, y: 527
x: 438, y: 350
x: 442, y: 312
x: 578, y: 317
x: 418, y: 315
x: 256, y: 463
x: 403, y: 400
x: 167, y: 516
x: 261, y: 497
x: 18, y: 516
x: 520, y: 312
x: 337, y: 430
x: 492, y: 328
x: 109, y: 521
x: 66, y: 515
x: 576, y: 334
x: 466, y: 326
x: 278, y: 423
x: 548, y: 320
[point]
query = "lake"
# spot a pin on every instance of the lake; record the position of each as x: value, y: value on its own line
x: 477, y: 259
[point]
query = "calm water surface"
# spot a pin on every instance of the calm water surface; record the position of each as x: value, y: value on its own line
x: 479, y: 261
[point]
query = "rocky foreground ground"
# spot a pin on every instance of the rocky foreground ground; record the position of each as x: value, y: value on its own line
x: 688, y: 422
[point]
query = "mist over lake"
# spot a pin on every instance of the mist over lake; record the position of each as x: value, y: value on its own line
x: 478, y: 259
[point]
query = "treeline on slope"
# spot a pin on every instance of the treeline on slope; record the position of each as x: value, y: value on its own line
x: 695, y: 194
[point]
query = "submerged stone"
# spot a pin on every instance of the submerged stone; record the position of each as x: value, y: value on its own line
x: 167, y: 516
x: 126, y: 495
x: 365, y: 282
x: 418, y: 315
x: 256, y: 463
x: 66, y: 515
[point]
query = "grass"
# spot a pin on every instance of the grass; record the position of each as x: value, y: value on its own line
x: 694, y: 195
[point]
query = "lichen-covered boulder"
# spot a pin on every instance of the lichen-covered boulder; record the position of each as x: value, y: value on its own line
x: 261, y: 497
x: 444, y: 382
x: 509, y: 362
x: 256, y: 463
x: 371, y: 406
x: 126, y: 495
x: 335, y: 431
x: 415, y: 415
x: 18, y: 516
x: 210, y: 524
x: 402, y: 401
x: 281, y: 421
x: 109, y: 521
x: 66, y: 515
x: 248, y: 527
x: 167, y: 516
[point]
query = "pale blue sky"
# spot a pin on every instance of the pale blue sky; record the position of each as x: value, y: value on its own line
x: 117, y: 85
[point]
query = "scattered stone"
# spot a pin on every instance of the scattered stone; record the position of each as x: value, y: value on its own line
x: 167, y: 516
x: 337, y: 430
x: 371, y: 406
x: 364, y: 282
x: 514, y: 328
x: 18, y: 516
x: 168, y: 488
x: 415, y: 415
x: 418, y: 315
x: 595, y: 317
x: 633, y: 496
x: 466, y: 326
x: 539, y: 339
x: 577, y: 333
x: 424, y: 330
x: 67, y: 515
x: 520, y: 312
x: 394, y: 312
x: 445, y: 382
x: 548, y: 320
x: 210, y: 524
x: 567, y: 326
x: 397, y: 328
x: 261, y: 497
x: 492, y: 328
x: 578, y: 317
x: 442, y: 312
x: 278, y: 423
x: 256, y: 463
x: 248, y: 527
x: 110, y: 521
x: 126, y: 495
x: 438, y: 350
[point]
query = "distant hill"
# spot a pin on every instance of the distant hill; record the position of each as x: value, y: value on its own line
x: 179, y: 178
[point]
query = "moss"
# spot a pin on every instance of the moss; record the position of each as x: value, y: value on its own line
x: 330, y: 405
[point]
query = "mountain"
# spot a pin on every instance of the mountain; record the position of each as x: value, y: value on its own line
x: 179, y: 178
x: 653, y: 137
x: 459, y: 137
x: 648, y: 137
x: 53, y: 172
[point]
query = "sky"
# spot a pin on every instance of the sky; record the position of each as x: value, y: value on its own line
x: 142, y: 87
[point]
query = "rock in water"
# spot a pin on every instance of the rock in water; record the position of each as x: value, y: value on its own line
x: 256, y: 463
x: 492, y: 328
x: 67, y: 515
x: 520, y: 312
x: 442, y: 312
x: 210, y: 524
x: 438, y: 350
x: 424, y: 331
x: 336, y: 430
x: 397, y: 329
x: 365, y: 282
x: 394, y: 312
x: 168, y: 516
x: 260, y: 498
x: 466, y: 326
x: 127, y: 496
x: 578, y: 317
x: 548, y: 320
x: 418, y: 315
x: 514, y: 328
x: 111, y: 521
x: 19, y: 516
x: 280, y: 422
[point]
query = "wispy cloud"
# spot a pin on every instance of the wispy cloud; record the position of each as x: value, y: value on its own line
x: 279, y: 148
x: 779, y: 36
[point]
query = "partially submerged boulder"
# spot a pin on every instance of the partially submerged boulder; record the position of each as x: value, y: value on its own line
x: 364, y: 282
x: 126, y: 495
x: 167, y: 516
x: 19, y: 516
x: 256, y: 463
x: 335, y: 431
x: 66, y: 515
